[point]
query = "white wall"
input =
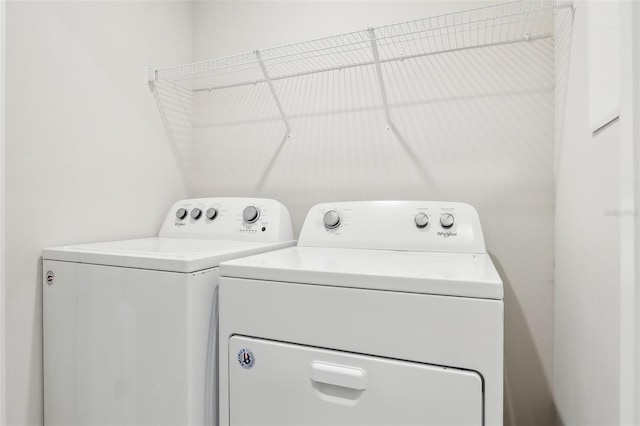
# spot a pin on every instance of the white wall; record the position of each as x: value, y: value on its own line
x: 636, y: 134
x: 478, y: 127
x: 85, y: 150
x: 87, y: 158
x: 596, y: 227
x: 2, y: 214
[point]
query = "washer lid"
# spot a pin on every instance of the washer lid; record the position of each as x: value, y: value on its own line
x: 161, y: 254
x: 450, y: 274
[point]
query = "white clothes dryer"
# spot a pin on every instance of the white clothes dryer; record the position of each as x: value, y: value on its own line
x: 130, y: 326
x: 386, y: 313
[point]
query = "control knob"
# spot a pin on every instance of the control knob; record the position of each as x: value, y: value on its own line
x: 446, y: 220
x: 251, y: 214
x: 196, y: 213
x: 422, y: 220
x: 211, y: 213
x: 331, y: 219
x: 181, y: 213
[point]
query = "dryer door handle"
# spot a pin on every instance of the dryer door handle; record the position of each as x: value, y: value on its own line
x: 339, y: 375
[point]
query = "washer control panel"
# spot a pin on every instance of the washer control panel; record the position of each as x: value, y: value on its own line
x: 242, y: 219
x: 394, y: 225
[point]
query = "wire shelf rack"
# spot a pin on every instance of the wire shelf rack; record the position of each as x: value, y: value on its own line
x: 509, y: 21
x: 498, y: 23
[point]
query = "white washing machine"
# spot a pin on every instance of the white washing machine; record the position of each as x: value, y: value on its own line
x: 386, y: 313
x: 130, y: 326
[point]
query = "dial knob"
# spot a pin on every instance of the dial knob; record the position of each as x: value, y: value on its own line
x: 446, y: 220
x: 181, y: 213
x: 331, y: 219
x: 211, y: 213
x: 251, y: 214
x: 422, y: 220
x: 196, y: 213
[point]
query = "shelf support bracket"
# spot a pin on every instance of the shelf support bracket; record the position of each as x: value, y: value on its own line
x: 151, y: 78
x: 383, y: 90
x: 564, y: 4
x: 383, y: 93
x: 273, y: 93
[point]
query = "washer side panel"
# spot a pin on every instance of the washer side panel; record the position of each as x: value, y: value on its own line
x: 124, y: 346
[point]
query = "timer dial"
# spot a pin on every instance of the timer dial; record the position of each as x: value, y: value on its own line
x: 211, y: 213
x: 331, y: 219
x: 251, y: 214
x: 196, y: 213
x: 446, y: 220
x: 422, y: 220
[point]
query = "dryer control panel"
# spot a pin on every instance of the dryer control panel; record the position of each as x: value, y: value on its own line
x: 435, y: 226
x: 240, y: 219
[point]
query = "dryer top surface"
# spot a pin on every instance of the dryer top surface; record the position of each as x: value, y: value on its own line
x: 449, y: 274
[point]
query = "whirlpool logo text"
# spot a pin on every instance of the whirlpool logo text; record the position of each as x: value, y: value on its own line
x: 447, y: 234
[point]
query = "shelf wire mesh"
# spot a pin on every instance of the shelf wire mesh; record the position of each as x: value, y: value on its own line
x: 498, y: 23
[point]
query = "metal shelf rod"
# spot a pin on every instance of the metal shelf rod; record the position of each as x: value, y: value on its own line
x: 520, y: 16
x: 366, y: 63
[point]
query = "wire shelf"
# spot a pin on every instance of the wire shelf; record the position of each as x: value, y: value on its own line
x: 499, y: 23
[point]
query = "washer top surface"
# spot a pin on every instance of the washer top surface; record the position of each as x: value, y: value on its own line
x: 407, y: 246
x: 196, y: 234
x: 159, y: 253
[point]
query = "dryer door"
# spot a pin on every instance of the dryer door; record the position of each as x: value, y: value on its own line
x: 273, y: 383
